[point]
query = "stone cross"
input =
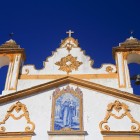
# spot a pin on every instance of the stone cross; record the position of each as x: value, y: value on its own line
x: 131, y: 32
x: 11, y: 35
x: 69, y: 33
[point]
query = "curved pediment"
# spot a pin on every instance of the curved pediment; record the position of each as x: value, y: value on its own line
x: 69, y: 58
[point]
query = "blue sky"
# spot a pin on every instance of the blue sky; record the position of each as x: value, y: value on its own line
x: 99, y: 25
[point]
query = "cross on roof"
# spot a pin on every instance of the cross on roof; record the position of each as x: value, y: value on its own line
x: 69, y: 33
x: 11, y: 35
x: 131, y: 32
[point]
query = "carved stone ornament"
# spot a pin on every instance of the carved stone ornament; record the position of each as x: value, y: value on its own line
x: 67, y: 110
x: 68, y: 63
x: 109, y: 69
x: 18, y: 107
x: 69, y: 43
x: 69, y: 46
x: 117, y: 106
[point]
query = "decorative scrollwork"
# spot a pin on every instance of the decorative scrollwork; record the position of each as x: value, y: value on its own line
x: 27, y: 71
x: 69, y: 46
x: 109, y: 69
x: 68, y: 63
x: 117, y: 106
x: 18, y: 107
x: 69, y: 43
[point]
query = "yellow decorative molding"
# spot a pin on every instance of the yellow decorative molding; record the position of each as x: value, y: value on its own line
x: 70, y: 80
x: 69, y: 46
x: 126, y: 137
x: 80, y: 76
x: 120, y: 133
x: 67, y: 133
x: 68, y: 63
x: 18, y: 107
x: 69, y: 43
x: 109, y: 69
x: 15, y: 137
x: 117, y: 106
x: 16, y: 134
x: 27, y: 71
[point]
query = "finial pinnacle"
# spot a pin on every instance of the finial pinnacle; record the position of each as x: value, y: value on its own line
x: 11, y: 35
x: 69, y: 33
x: 131, y: 32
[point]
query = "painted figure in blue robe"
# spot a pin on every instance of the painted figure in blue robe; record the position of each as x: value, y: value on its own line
x: 68, y: 112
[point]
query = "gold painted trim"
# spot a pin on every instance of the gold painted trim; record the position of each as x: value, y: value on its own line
x: 17, y: 133
x: 118, y: 106
x: 68, y: 40
x: 119, y: 133
x: 123, y: 69
x: 71, y: 80
x: 80, y: 76
x: 18, y: 68
x: 67, y: 133
x: 57, y: 93
x: 122, y: 63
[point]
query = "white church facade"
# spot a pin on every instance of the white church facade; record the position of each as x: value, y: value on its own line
x: 69, y: 99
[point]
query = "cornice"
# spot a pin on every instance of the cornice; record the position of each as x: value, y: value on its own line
x: 13, y: 51
x: 126, y: 49
x: 70, y: 80
x: 80, y: 76
x: 119, y: 133
x: 67, y: 133
x: 17, y: 133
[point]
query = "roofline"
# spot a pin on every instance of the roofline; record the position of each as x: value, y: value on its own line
x: 123, y: 49
x: 13, y: 51
x: 70, y: 80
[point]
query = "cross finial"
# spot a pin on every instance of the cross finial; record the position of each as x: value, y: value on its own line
x: 131, y: 32
x: 11, y: 35
x: 69, y: 33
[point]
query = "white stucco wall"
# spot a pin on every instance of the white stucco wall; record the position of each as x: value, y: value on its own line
x: 24, y: 84
x: 94, y: 111
x: 113, y: 83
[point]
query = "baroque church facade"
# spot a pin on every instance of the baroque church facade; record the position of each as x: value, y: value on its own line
x: 69, y: 99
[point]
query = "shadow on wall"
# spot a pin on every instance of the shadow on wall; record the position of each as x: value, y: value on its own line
x: 3, y: 74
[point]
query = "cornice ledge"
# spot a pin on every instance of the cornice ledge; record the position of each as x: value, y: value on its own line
x: 67, y: 132
x: 108, y: 90
x: 120, y: 133
x: 70, y: 80
x: 17, y: 133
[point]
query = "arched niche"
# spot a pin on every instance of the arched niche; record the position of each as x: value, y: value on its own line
x: 4, y: 62
x: 133, y: 58
x: 133, y: 61
x: 67, y: 110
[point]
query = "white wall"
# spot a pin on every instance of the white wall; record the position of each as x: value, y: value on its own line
x: 94, y: 111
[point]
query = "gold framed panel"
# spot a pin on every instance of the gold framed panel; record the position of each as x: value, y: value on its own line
x: 77, y: 93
